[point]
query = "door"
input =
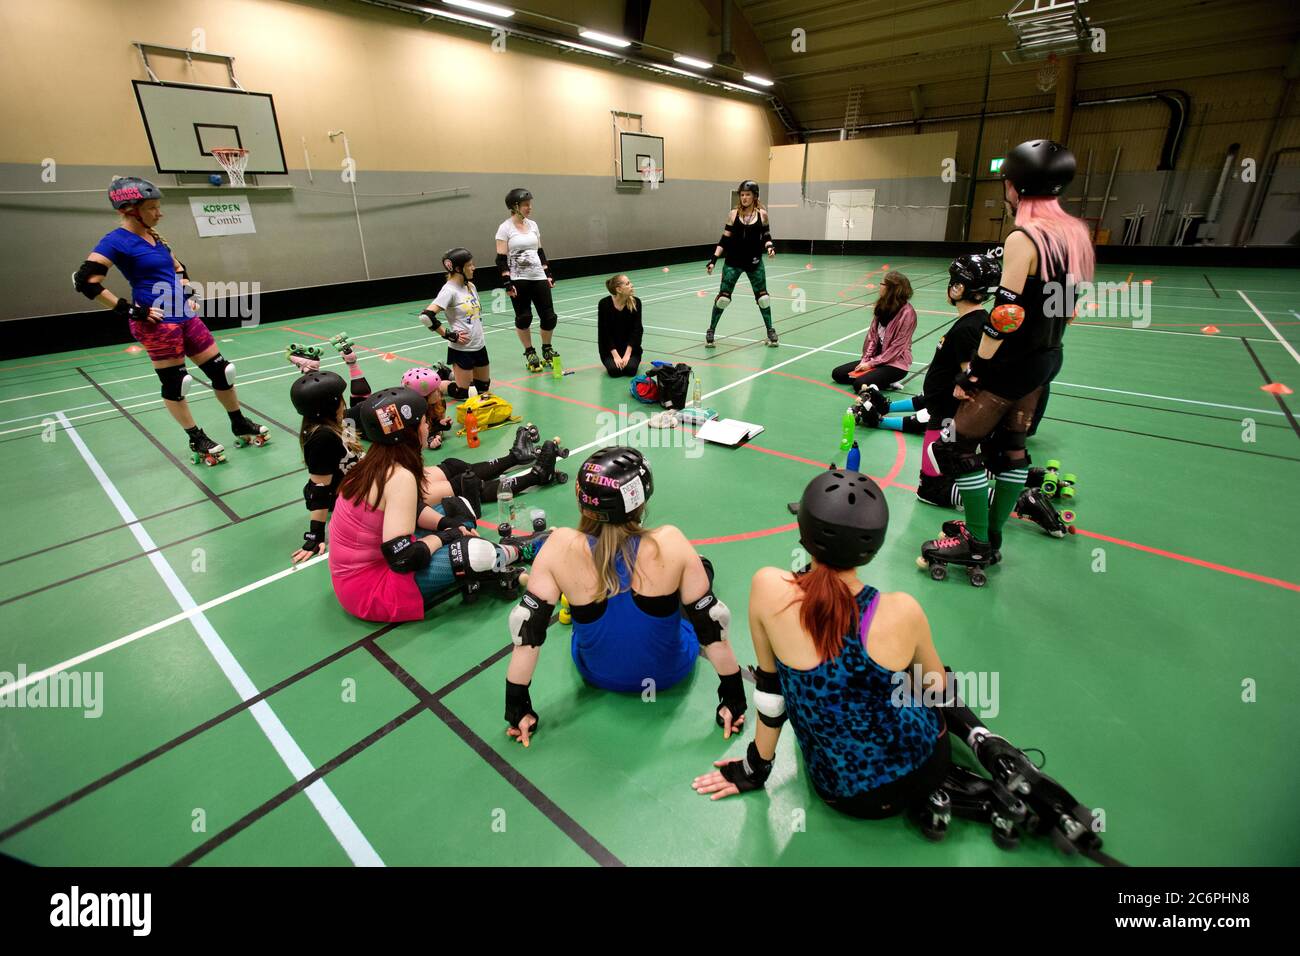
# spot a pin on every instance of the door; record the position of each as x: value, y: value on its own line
x: 850, y: 214
x: 988, y: 222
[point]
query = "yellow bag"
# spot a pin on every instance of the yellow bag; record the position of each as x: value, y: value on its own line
x: 490, y: 410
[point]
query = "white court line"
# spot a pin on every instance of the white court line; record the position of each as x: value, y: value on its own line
x: 1285, y: 344
x: 344, y: 828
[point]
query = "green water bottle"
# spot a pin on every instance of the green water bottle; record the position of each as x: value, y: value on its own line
x: 847, y: 424
x: 557, y: 367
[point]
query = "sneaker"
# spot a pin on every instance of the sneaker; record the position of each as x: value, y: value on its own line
x: 772, y: 341
x: 708, y: 339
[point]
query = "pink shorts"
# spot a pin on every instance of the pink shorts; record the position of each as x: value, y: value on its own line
x: 165, y: 341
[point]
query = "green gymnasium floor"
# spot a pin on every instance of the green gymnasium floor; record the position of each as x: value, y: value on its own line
x: 270, y: 728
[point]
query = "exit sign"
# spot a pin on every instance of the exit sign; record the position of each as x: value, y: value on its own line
x: 995, y: 165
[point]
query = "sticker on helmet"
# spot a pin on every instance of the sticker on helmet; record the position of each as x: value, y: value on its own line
x: 633, y: 492
x: 390, y: 418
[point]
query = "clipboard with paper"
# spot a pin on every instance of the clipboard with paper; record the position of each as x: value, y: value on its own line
x: 728, y: 431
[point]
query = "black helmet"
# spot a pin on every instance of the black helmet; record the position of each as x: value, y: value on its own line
x: 1039, y: 167
x: 316, y: 394
x: 978, y: 274
x: 126, y: 191
x: 455, y: 260
x: 389, y: 416
x: 748, y: 186
x: 516, y: 196
x: 842, y: 518
x: 613, y: 483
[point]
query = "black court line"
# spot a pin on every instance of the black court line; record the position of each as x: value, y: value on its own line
x: 190, y: 734
x: 1268, y: 381
x: 1211, y: 285
x: 212, y: 495
x: 544, y: 804
x: 1181, y: 441
x: 243, y: 404
x: 1157, y: 408
x: 140, y: 554
x: 142, y: 520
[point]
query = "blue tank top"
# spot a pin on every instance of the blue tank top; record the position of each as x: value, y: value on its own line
x: 149, y: 269
x: 624, y: 645
x: 853, y: 736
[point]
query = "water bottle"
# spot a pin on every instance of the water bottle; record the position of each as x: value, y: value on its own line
x: 698, y: 397
x: 506, y: 507
x: 847, y: 424
x: 471, y: 428
x: 557, y: 367
x: 855, y: 458
x: 566, y: 616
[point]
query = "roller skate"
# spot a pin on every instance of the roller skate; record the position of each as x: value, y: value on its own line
x: 708, y: 340
x: 961, y: 549
x: 306, y: 357
x: 1034, y: 505
x: 531, y: 361
x: 526, y: 546
x: 772, y: 341
x: 444, y: 372
x: 250, y: 433
x: 524, y: 449
x: 548, y: 354
x: 204, y: 449
x: 956, y: 528
x: 544, y: 465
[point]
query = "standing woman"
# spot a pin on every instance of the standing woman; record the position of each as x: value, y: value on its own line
x: 887, y: 349
x: 160, y: 315
x: 618, y: 328
x: 457, y: 300
x: 1019, y: 353
x: 745, y: 237
x: 527, y: 277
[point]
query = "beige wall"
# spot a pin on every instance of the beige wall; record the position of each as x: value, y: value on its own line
x: 895, y: 157
x: 411, y: 97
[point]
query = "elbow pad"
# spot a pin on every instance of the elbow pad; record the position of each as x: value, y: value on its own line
x: 768, y: 699
x: 1007, y: 315
x: 81, y: 279
x: 529, y: 621
x: 710, y: 617
x: 405, y: 554
x: 429, y: 319
x: 318, y: 497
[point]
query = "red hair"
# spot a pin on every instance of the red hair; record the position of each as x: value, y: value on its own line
x: 827, y: 609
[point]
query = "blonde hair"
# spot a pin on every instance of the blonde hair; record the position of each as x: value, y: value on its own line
x: 613, y: 540
x: 612, y: 283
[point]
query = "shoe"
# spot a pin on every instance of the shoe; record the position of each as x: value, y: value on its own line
x: 524, y: 449
x: 548, y: 354
x: 708, y: 340
x: 531, y: 361
x: 772, y: 341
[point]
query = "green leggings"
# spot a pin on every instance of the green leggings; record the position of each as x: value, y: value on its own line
x: 757, y: 281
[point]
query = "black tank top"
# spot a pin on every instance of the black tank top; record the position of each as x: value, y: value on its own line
x: 746, y: 244
x: 1048, y: 301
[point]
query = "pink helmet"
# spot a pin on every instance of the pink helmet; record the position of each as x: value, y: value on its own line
x: 425, y: 381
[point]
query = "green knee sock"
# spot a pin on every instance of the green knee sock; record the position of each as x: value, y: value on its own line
x: 974, y: 489
x: 713, y: 319
x: 767, y: 316
x: 1009, y: 485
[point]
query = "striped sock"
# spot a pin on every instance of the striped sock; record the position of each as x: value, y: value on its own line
x: 1009, y: 485
x: 974, y: 490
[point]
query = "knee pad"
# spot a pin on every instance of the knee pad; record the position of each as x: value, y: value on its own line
x: 219, y: 372
x: 721, y: 302
x: 763, y: 299
x: 176, y: 382
x: 472, y: 557
x: 482, y: 384
x: 956, y: 458
x: 455, y: 391
x: 997, y: 448
x: 453, y: 468
x: 523, y: 320
x: 549, y: 320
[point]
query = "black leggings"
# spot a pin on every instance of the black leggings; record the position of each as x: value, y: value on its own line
x: 880, y: 376
x: 529, y: 293
x: 629, y: 370
x: 906, y: 791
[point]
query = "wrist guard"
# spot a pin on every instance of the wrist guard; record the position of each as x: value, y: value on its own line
x: 129, y: 310
x: 520, y: 705
x: 314, y: 536
x: 731, y: 695
x: 750, y: 773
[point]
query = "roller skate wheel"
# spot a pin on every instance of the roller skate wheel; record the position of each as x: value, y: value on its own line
x: 504, y: 529
x: 978, y: 578
x: 1067, y: 491
x: 938, y: 572
x: 1006, y: 839
x: 1067, y: 516
x: 1053, y: 465
x: 920, y: 562
x: 561, y: 477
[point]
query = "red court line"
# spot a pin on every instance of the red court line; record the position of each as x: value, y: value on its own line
x: 747, y: 535
x: 1262, y: 579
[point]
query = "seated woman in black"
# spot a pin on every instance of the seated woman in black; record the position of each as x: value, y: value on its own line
x: 834, y: 656
x: 618, y: 328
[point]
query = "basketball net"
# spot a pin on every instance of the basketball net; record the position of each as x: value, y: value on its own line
x: 1047, y: 73
x: 650, y: 176
x: 233, y: 160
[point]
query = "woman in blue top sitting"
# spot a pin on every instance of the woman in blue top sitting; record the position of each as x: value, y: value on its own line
x: 833, y: 653
x: 162, y: 313
x: 642, y: 599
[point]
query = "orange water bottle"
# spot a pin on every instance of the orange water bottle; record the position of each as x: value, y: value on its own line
x: 471, y: 430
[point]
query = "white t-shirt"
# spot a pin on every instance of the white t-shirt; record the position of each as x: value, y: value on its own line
x: 521, y: 249
x: 462, y: 313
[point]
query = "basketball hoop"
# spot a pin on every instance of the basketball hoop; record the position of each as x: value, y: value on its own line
x: 233, y: 160
x: 1047, y: 74
x: 651, y: 175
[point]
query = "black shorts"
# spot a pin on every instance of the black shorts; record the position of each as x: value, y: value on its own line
x: 1017, y: 378
x: 467, y: 360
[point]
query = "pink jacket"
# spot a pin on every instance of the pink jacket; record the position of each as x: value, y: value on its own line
x: 891, y: 344
x: 363, y: 582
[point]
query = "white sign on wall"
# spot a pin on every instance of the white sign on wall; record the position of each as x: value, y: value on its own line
x: 222, y: 215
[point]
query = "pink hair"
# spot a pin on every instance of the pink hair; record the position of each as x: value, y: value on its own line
x: 1063, y: 238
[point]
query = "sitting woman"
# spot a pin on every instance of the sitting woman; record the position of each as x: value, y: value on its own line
x: 618, y: 328
x: 642, y: 599
x: 390, y: 554
x: 330, y: 447
x: 833, y: 656
x: 887, y: 349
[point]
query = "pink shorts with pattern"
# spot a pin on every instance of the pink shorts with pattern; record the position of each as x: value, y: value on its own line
x: 166, y: 341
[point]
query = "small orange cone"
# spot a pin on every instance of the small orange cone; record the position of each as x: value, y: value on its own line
x: 1276, y: 388
x: 1211, y: 330
x: 389, y: 357
x: 133, y: 348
